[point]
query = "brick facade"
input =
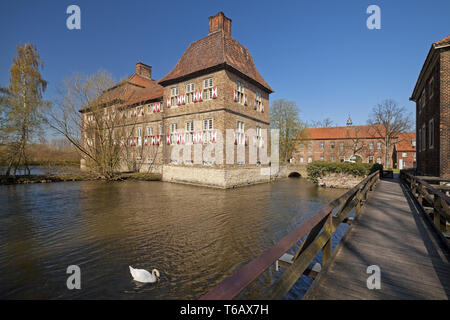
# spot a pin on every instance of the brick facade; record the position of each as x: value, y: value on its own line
x: 432, y: 97
x: 222, y: 61
x: 339, y: 144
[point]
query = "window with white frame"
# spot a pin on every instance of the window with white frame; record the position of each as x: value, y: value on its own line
x: 139, y: 136
x: 370, y: 159
x: 379, y: 145
x: 189, y: 131
x: 332, y: 145
x: 371, y: 145
x: 379, y: 160
x: 240, y: 92
x: 322, y: 145
x: 413, y: 143
x: 332, y: 158
x: 173, y: 133
x: 404, y: 154
x: 302, y: 146
x: 309, y: 159
x: 240, y: 132
x: 207, y: 88
x: 207, y: 130
x: 173, y: 96
x: 258, y: 101
x: 431, y: 88
x: 149, y: 131
x: 301, y: 159
x: 310, y: 145
x: 258, y: 133
x: 190, y: 92
x: 341, y: 146
x: 431, y: 134
x: 161, y: 132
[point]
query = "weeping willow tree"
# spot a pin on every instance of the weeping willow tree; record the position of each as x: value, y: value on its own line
x: 284, y: 116
x: 22, y: 108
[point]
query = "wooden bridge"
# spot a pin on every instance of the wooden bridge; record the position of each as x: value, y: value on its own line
x: 399, y: 226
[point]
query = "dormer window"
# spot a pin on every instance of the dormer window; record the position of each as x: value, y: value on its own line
x: 207, y: 88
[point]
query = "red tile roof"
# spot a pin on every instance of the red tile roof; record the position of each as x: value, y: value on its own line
x: 446, y: 40
x: 404, y: 141
x: 131, y: 90
x: 347, y: 132
x: 216, y: 49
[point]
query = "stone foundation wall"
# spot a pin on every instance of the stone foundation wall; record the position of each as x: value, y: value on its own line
x: 339, y: 180
x: 220, y: 178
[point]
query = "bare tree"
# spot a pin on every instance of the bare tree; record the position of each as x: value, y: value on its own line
x: 358, y: 142
x: 94, y: 116
x: 388, y: 120
x: 22, y: 107
x: 325, y: 123
x: 284, y: 116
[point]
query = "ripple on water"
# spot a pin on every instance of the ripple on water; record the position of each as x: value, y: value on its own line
x: 194, y: 236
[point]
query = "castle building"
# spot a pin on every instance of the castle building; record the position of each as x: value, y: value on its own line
x: 352, y: 144
x: 432, y: 96
x: 213, y: 89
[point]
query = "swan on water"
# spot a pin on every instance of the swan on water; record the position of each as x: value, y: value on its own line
x: 142, y: 275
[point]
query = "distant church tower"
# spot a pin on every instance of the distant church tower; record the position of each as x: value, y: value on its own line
x: 349, y: 121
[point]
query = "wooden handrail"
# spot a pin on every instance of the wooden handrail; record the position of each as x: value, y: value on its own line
x: 439, y: 201
x: 316, y: 241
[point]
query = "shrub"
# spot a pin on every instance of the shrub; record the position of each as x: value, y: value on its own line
x: 319, y: 169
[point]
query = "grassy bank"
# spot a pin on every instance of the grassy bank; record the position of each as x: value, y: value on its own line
x: 82, y: 176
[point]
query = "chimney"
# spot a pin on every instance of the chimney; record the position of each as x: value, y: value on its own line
x: 144, y: 70
x: 220, y: 23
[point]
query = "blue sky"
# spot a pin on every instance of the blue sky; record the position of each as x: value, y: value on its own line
x: 319, y: 54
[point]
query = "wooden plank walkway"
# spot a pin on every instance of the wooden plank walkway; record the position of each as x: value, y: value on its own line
x: 392, y: 233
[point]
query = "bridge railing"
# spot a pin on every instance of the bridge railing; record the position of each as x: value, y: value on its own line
x: 318, y: 230
x: 433, y: 201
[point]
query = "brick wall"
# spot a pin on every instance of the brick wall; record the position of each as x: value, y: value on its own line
x: 336, y: 154
x: 444, y: 125
x: 428, y: 159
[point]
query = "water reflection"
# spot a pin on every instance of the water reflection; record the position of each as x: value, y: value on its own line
x: 194, y: 236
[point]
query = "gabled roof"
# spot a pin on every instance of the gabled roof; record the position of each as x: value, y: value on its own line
x: 347, y: 132
x: 131, y: 90
x: 404, y: 142
x: 214, y: 50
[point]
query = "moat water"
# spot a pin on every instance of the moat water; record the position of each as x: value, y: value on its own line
x: 195, y: 236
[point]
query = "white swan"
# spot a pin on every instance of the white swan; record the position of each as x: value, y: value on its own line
x: 142, y: 275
